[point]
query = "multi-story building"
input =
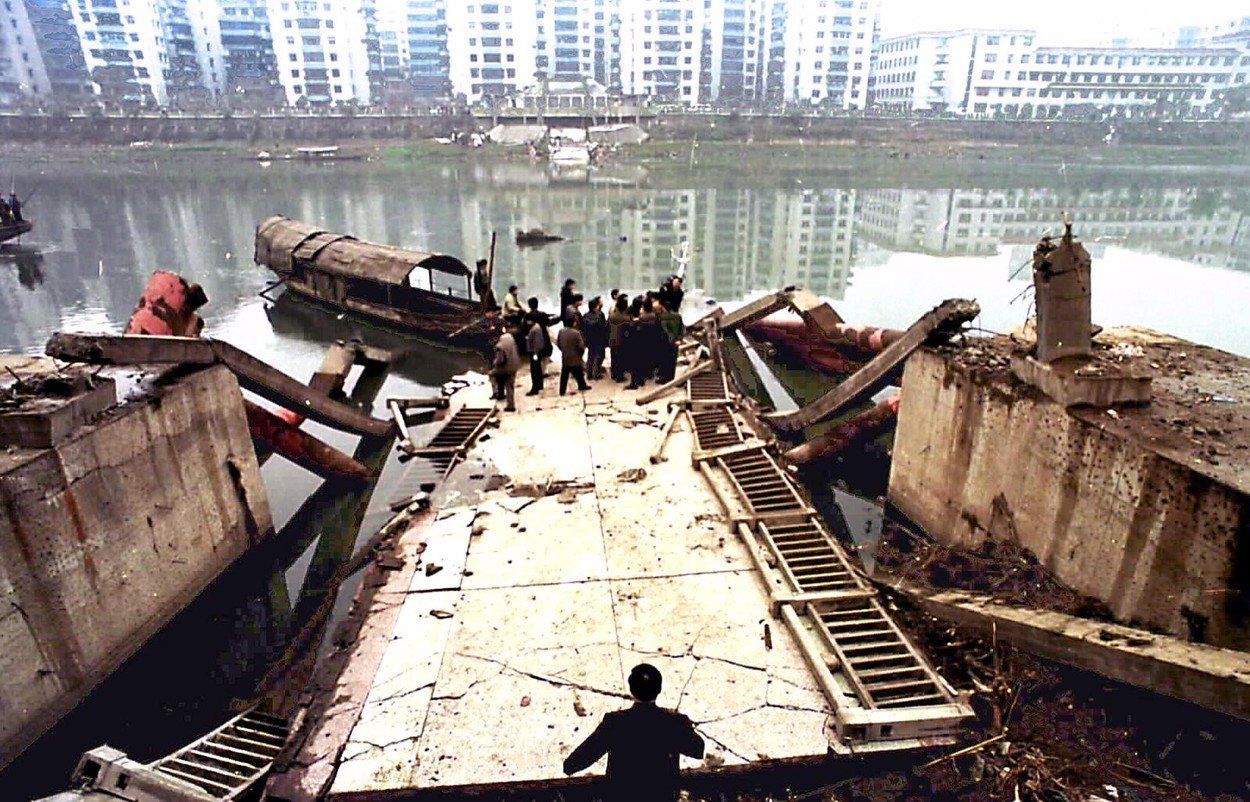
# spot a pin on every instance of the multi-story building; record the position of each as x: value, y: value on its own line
x: 820, y: 51
x: 733, y: 54
x: 661, y: 43
x: 388, y: 77
x: 39, y: 52
x: 1127, y: 80
x: 142, y: 51
x: 946, y: 71
x: 577, y: 39
x: 194, y: 57
x: 324, y: 49
x: 1003, y: 72
x: 124, y: 50
x: 251, y: 72
x: 429, y: 67
x: 492, y: 48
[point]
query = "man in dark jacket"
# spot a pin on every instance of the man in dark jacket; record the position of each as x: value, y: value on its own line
x: 642, y: 743
x: 596, y: 330
x: 671, y: 328
x: 481, y: 285
x: 566, y: 294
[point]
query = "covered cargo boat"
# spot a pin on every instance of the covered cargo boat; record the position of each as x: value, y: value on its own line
x: 378, y: 282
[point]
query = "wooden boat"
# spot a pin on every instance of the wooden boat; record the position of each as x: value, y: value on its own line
x: 534, y: 237
x: 376, y: 282
x: 10, y: 230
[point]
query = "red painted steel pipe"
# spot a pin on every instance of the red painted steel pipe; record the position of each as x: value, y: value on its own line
x: 847, y: 434
x: 275, y: 434
x: 167, y: 307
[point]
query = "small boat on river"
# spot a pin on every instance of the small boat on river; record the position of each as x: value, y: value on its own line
x: 377, y: 282
x: 535, y: 237
x: 14, y: 229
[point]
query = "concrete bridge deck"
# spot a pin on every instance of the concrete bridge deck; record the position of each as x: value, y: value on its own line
x: 534, y: 599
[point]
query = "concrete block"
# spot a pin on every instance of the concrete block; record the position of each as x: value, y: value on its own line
x: 111, y: 532
x: 1066, y: 384
x: 44, y: 421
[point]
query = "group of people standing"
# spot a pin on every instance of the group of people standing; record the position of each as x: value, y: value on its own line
x: 640, y: 334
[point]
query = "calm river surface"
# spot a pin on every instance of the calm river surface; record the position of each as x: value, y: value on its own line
x: 1171, y: 251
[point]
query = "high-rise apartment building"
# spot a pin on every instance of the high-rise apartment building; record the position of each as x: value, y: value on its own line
x: 661, y: 45
x: 733, y: 53
x: 945, y: 71
x: 388, y: 72
x: 492, y: 48
x: 39, y: 52
x: 577, y: 39
x: 194, y: 57
x: 819, y: 52
x: 152, y: 51
x: 324, y: 49
x: 251, y: 73
x: 429, y: 67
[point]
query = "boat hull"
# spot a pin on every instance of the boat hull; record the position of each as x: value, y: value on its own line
x: 10, y: 231
x: 467, y: 328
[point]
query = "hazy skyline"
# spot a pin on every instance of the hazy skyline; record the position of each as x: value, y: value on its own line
x: 1078, y: 21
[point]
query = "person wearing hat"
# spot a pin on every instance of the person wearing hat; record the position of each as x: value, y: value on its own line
x: 643, y: 743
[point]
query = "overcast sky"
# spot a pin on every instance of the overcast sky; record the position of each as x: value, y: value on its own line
x: 1059, y: 20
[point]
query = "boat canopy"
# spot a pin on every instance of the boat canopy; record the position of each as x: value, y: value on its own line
x: 280, y: 241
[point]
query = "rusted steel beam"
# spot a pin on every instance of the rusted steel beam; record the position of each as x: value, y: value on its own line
x: 846, y: 434
x: 943, y: 321
x: 278, y: 436
x: 252, y: 373
x: 792, y: 336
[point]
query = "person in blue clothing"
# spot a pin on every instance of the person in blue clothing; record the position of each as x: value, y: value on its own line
x: 642, y: 742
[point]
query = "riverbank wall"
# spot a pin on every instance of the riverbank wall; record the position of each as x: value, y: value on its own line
x: 111, y: 530
x: 86, y: 129
x: 1146, y: 508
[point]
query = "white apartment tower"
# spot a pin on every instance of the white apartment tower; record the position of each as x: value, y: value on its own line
x: 947, y: 71
x: 322, y: 49
x: 194, y: 58
x: 390, y: 73
x: 577, y: 39
x: 661, y: 48
x: 141, y: 51
x: 492, y: 47
x: 124, y: 50
x: 733, y: 53
x: 39, y: 55
x: 820, y: 51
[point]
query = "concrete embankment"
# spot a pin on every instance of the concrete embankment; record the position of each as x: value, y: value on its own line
x: 1145, y: 508
x: 110, y: 531
x: 85, y: 129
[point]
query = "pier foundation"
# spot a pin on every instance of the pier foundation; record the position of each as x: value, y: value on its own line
x: 109, y: 532
x: 1146, y: 508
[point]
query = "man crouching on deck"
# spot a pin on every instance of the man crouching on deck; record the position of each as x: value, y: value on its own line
x: 642, y: 743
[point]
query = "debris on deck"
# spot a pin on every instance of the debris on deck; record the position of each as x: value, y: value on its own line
x: 585, y: 559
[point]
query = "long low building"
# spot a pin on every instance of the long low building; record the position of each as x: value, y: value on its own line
x: 1006, y: 72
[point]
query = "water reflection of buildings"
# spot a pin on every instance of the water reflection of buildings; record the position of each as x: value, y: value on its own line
x: 1200, y: 225
x: 99, y: 245
x: 740, y: 239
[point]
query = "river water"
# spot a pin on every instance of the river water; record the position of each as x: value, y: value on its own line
x: 1171, y: 250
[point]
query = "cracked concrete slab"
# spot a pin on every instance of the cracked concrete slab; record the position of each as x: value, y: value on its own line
x: 561, y: 595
